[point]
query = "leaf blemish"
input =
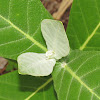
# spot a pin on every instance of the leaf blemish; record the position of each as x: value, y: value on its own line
x: 63, y: 64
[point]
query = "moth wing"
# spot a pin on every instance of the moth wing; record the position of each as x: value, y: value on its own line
x: 35, y: 64
x: 55, y: 37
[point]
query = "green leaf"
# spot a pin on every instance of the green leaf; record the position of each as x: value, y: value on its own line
x: 84, y: 25
x: 20, y: 32
x: 79, y: 79
x: 17, y: 87
x: 12, y: 64
x: 20, y: 27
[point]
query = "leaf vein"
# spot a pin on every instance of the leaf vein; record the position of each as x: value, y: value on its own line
x: 21, y: 52
x: 27, y: 35
x: 41, y: 87
x: 69, y: 88
x: 86, y: 61
x: 12, y: 41
x: 79, y: 92
x: 80, y: 81
x: 7, y: 27
x: 9, y: 9
x: 83, y: 18
x: 89, y: 73
x: 61, y: 82
x: 89, y: 38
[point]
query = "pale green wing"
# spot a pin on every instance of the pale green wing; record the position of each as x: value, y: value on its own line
x: 35, y: 64
x: 55, y: 37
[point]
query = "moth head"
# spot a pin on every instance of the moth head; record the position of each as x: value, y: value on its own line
x: 50, y: 54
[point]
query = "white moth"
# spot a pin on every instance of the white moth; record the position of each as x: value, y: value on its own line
x: 41, y: 64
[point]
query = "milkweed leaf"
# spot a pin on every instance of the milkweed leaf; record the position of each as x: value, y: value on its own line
x: 78, y: 79
x: 84, y: 25
x: 19, y: 87
x: 20, y: 27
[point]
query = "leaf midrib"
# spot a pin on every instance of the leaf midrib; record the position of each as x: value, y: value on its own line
x: 25, y: 34
x: 80, y: 81
x: 38, y: 89
x: 89, y: 38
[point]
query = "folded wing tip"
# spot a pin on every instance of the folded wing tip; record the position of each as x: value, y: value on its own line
x: 48, y: 20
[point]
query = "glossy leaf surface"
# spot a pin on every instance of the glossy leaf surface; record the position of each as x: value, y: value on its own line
x: 20, y: 22
x: 79, y: 79
x: 20, y: 31
x: 84, y: 25
x: 17, y: 87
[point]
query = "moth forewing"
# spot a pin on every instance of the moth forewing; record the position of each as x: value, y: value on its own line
x: 35, y: 64
x: 55, y: 37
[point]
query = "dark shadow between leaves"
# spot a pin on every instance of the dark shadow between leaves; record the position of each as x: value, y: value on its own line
x: 31, y: 83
